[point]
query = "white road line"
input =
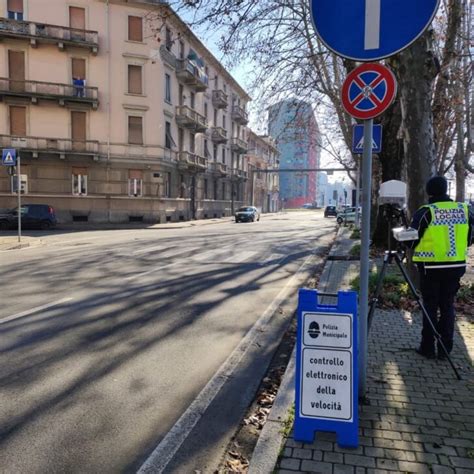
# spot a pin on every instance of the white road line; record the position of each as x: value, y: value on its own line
x: 240, y: 257
x: 33, y: 310
x: 164, y: 452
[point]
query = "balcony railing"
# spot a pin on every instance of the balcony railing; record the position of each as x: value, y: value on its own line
x: 192, y: 160
x: 41, y: 32
x: 49, y: 90
x: 191, y: 75
x: 219, y: 99
x: 240, y: 174
x: 189, y: 118
x: 239, y: 146
x: 240, y: 115
x: 61, y: 146
x: 220, y: 168
x: 218, y: 135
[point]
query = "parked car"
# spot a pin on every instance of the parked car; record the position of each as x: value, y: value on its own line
x: 247, y: 214
x: 347, y: 215
x: 308, y: 205
x: 330, y: 211
x: 33, y: 216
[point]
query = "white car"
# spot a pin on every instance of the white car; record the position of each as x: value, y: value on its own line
x: 347, y: 215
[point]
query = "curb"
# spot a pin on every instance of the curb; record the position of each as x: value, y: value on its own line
x: 270, y: 441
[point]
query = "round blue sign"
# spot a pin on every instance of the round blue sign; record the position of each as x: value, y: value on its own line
x: 368, y: 30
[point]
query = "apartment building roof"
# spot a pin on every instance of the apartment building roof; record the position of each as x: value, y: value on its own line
x: 193, y: 38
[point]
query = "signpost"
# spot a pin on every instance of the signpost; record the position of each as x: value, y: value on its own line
x: 368, y: 30
x: 326, y: 368
x: 10, y: 158
x: 358, y: 139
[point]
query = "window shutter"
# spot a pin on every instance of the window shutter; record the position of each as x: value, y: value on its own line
x: 135, y: 79
x: 78, y: 128
x: 18, y: 121
x: 79, y: 68
x: 135, y: 28
x: 135, y: 174
x: 135, y: 130
x: 15, y: 6
x: 77, y: 18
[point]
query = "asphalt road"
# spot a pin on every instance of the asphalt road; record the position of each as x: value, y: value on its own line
x: 137, y: 348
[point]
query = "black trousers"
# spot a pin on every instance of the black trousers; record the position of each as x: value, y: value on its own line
x: 438, y: 289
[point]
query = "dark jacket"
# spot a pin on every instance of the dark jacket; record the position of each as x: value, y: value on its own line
x: 422, y: 219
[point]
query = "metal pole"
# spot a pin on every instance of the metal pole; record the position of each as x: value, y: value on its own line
x: 357, y: 217
x: 364, y: 253
x: 18, y: 190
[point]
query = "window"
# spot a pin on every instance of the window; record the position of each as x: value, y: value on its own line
x: 167, y: 183
x: 181, y: 94
x: 182, y: 186
x: 206, y: 149
x: 223, y: 191
x: 78, y: 67
x: 18, y: 121
x: 215, y: 190
x: 225, y: 88
x: 193, y: 100
x: 224, y: 122
x: 135, y: 79
x: 135, y: 183
x: 216, y: 82
x: 77, y: 21
x: 181, y: 50
x: 79, y: 181
x: 206, y: 189
x: 23, y: 184
x: 135, y: 130
x: 169, y: 39
x: 78, y: 130
x: 15, y: 9
x: 223, y: 155
x: 215, y: 152
x: 205, y: 110
x: 169, y: 142
x: 167, y: 88
x: 215, y: 117
x: 135, y: 28
x: 192, y: 142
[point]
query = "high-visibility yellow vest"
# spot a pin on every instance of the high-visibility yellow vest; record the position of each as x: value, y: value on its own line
x: 445, y: 239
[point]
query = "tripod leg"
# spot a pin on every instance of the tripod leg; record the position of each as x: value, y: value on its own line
x: 378, y: 288
x: 425, y: 313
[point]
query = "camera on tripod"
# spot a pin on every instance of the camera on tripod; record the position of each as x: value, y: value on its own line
x: 392, y: 199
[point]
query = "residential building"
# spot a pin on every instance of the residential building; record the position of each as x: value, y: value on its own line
x: 264, y: 185
x: 293, y: 124
x: 119, y: 112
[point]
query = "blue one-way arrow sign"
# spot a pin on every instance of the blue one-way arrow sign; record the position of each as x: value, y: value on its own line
x: 358, y: 139
x: 9, y: 157
x: 367, y: 30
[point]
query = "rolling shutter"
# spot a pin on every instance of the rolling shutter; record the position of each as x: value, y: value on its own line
x: 15, y: 6
x: 135, y: 130
x: 77, y: 18
x: 135, y: 79
x: 135, y: 28
x: 79, y: 68
x: 18, y: 121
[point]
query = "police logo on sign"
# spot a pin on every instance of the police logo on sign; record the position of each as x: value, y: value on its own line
x: 314, y: 330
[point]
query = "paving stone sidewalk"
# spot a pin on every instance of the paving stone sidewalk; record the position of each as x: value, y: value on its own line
x: 419, y: 417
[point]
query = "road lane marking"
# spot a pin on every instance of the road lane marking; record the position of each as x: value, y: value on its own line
x: 162, y: 455
x: 34, y: 310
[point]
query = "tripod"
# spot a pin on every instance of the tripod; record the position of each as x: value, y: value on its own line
x: 389, y: 257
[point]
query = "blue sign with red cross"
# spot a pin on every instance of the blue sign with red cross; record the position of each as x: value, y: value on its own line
x: 368, y: 91
x: 368, y: 30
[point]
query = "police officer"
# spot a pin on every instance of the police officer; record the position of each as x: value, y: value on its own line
x: 444, y: 231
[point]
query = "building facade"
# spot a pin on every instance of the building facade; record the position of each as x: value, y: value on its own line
x: 119, y: 113
x: 293, y: 125
x: 264, y: 185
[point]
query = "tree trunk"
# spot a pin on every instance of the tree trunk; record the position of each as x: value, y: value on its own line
x: 416, y: 73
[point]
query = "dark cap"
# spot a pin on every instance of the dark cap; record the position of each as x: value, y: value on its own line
x: 437, y: 186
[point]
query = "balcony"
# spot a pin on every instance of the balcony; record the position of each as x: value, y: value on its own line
x: 192, y: 161
x: 36, y: 90
x: 239, y: 115
x: 219, y: 168
x: 240, y: 174
x: 44, y: 33
x: 188, y: 118
x: 219, y: 99
x: 218, y: 135
x: 60, y: 146
x: 191, y: 75
x: 239, y: 146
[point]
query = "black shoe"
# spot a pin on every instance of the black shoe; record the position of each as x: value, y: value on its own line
x: 424, y: 353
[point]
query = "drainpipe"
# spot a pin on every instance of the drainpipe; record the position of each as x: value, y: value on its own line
x: 109, y: 89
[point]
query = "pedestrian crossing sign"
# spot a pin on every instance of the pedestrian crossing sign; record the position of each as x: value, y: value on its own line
x: 9, y: 157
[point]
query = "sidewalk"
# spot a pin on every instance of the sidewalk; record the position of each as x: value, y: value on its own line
x: 419, y: 418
